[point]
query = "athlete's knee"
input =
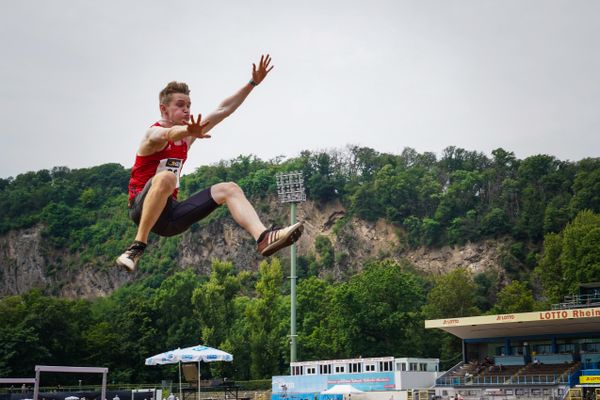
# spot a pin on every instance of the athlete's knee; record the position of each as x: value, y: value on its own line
x: 164, y: 181
x: 224, y: 190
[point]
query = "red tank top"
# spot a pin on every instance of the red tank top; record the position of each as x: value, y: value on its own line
x: 171, y: 158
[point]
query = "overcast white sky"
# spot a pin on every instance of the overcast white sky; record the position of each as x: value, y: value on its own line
x: 80, y: 79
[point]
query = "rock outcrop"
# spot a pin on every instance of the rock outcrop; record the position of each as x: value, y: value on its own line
x: 27, y: 261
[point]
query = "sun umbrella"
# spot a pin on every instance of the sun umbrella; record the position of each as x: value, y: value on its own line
x: 190, y: 354
x: 203, y: 353
x: 168, y: 357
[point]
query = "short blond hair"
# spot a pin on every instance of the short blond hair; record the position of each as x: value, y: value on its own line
x: 172, y: 87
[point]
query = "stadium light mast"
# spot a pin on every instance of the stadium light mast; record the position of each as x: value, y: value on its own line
x: 290, y: 189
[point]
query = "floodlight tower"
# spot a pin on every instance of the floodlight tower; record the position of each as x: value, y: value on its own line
x: 290, y: 189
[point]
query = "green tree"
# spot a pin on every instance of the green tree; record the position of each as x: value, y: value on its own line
x: 487, y: 289
x: 325, y: 251
x: 453, y: 295
x: 515, y: 297
x: 173, y: 305
x: 213, y: 302
x: 571, y: 257
x: 379, y: 310
x: 495, y: 223
x: 319, y: 334
x: 266, y: 335
x: 586, y: 187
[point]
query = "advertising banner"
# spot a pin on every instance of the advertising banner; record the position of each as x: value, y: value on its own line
x: 587, y: 379
x: 366, y: 382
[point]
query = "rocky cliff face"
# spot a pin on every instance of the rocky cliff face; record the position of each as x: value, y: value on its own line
x: 26, y: 262
x: 22, y: 261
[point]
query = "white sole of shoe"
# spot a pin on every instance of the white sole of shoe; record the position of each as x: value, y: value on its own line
x: 125, y: 263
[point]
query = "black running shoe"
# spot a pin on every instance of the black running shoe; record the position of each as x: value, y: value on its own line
x: 129, y: 259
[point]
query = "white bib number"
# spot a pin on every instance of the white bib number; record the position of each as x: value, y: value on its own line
x: 170, y: 164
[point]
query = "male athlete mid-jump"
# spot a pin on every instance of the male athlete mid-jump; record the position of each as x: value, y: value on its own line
x: 154, y: 182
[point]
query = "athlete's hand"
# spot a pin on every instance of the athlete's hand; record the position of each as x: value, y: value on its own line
x: 258, y: 74
x: 196, y: 128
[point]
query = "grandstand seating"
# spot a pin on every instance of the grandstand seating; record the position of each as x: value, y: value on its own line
x: 475, y: 374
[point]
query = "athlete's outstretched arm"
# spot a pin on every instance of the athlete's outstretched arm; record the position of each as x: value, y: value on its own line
x: 157, y: 137
x: 230, y: 104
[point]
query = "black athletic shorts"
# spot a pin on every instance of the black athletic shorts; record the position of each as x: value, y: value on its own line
x: 176, y: 216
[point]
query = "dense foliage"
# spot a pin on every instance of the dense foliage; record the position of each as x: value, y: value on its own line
x: 546, y: 211
x: 465, y: 195
x: 245, y: 315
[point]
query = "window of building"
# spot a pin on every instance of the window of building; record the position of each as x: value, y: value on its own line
x: 591, y: 347
x: 355, y: 368
x: 340, y: 368
x: 422, y: 367
x: 297, y: 370
x: 566, y: 348
x: 311, y: 370
x: 400, y: 367
x: 369, y: 367
x: 412, y: 366
x: 325, y: 369
x: 543, y: 348
x: 386, y: 366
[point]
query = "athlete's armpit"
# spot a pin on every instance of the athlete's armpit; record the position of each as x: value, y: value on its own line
x: 155, y: 140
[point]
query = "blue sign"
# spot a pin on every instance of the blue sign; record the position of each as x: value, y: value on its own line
x: 367, y: 382
x: 298, y: 384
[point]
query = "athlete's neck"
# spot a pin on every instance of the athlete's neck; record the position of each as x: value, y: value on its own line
x: 166, y: 123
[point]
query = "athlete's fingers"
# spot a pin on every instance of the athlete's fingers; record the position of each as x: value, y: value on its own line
x: 270, y: 69
x: 192, y: 117
x: 199, y: 119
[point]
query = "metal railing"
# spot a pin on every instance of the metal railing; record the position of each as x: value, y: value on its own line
x: 491, y: 380
x: 578, y: 301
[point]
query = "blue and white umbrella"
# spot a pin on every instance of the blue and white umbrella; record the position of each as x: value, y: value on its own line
x: 189, y: 354
x: 169, y: 357
x: 203, y: 353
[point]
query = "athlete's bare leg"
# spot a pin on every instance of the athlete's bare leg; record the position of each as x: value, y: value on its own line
x: 162, y: 187
x: 268, y: 240
x: 230, y: 194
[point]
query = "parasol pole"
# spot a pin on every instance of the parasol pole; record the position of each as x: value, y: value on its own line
x: 198, y: 380
x: 180, y: 392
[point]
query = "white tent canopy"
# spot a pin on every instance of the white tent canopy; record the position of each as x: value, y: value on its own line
x: 342, y: 389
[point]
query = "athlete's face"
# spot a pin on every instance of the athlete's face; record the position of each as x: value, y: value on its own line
x: 178, y: 109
